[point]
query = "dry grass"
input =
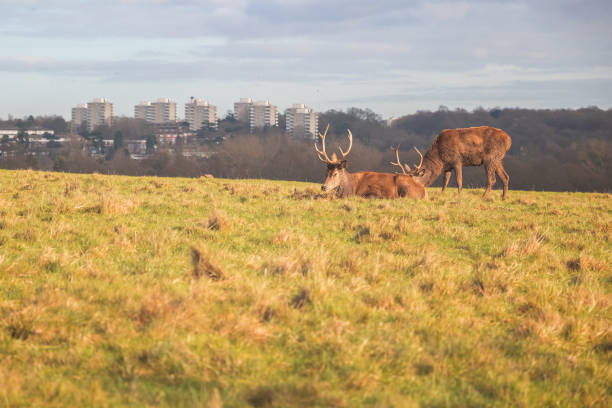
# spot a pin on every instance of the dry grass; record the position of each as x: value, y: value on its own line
x: 533, y: 244
x: 118, y: 291
x: 216, y: 221
x: 202, y: 266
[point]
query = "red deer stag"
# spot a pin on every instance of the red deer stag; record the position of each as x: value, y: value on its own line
x: 365, y: 183
x: 454, y: 148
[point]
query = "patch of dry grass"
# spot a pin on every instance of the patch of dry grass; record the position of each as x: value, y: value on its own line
x: 533, y: 244
x: 216, y: 221
x: 202, y: 266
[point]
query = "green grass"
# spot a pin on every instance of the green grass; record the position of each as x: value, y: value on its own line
x: 118, y: 291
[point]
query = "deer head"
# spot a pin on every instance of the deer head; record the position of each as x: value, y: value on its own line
x: 336, y: 167
x: 418, y: 170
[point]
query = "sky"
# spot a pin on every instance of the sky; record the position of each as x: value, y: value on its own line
x: 394, y: 57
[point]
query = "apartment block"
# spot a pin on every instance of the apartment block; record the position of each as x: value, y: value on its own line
x: 242, y: 109
x: 262, y: 114
x: 302, y: 121
x: 99, y: 112
x: 162, y: 111
x: 144, y: 110
x: 199, y: 113
x: 79, y: 116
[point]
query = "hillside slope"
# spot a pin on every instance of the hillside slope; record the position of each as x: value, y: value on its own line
x: 183, y: 292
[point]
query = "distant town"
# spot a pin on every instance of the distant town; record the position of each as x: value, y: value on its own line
x: 166, y: 130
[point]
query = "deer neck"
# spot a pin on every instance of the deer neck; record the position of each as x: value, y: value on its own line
x: 347, y: 185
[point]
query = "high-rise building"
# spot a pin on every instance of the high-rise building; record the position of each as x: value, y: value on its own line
x: 302, y: 121
x: 162, y: 111
x: 199, y: 113
x: 79, y: 116
x: 242, y: 109
x: 262, y: 114
x: 99, y: 112
x: 144, y: 110
x: 165, y: 110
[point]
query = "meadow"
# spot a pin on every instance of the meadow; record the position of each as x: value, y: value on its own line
x: 143, y: 291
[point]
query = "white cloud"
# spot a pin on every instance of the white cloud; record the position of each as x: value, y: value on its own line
x: 356, y: 48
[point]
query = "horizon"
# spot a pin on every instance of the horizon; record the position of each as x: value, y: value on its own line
x: 282, y: 111
x: 395, y: 57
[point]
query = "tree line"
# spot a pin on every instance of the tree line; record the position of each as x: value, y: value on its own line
x: 559, y: 150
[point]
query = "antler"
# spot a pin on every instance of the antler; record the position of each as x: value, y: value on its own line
x: 323, y: 155
x: 323, y: 158
x: 350, y: 135
x: 396, y: 149
x: 421, y: 162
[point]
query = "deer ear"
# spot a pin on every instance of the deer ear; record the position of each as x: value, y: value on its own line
x: 343, y: 164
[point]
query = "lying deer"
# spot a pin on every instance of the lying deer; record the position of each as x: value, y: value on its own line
x: 365, y: 183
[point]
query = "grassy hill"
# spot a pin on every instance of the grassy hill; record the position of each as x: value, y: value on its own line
x: 118, y: 291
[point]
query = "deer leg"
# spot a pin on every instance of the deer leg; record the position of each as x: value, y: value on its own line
x: 447, y: 176
x: 459, y: 173
x: 490, y: 170
x: 504, y: 177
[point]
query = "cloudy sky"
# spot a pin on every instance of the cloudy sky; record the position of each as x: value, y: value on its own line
x: 392, y: 56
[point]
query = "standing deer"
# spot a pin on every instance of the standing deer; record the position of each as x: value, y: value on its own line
x: 365, y: 183
x: 454, y: 148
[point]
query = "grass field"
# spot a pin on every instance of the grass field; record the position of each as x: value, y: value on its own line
x: 118, y: 291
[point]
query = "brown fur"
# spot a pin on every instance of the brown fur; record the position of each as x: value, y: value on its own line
x: 476, y: 146
x: 371, y: 184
